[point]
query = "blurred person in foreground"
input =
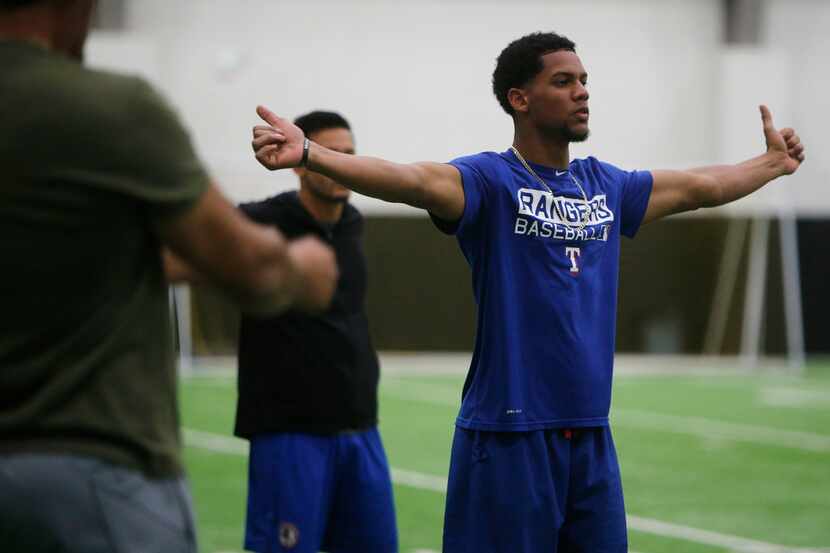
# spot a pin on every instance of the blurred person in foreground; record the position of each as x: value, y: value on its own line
x: 533, y: 464
x: 96, y: 174
x: 318, y: 475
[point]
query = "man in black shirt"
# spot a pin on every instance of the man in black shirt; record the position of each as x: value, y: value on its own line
x: 318, y: 475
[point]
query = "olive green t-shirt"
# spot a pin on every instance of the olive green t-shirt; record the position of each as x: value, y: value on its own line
x: 88, y: 161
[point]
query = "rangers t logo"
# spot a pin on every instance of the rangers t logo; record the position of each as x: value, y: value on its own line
x: 573, y: 254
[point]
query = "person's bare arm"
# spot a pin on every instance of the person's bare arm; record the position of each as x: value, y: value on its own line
x: 435, y: 187
x: 254, y: 264
x: 678, y: 191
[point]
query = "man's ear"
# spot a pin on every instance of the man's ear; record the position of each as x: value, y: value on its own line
x: 518, y: 100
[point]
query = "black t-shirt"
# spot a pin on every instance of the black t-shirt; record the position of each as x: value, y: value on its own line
x: 302, y: 373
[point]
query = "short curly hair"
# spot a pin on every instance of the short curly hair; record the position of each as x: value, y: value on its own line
x: 521, y: 60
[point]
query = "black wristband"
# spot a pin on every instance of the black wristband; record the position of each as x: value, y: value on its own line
x: 306, y: 146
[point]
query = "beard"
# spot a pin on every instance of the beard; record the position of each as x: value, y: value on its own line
x: 567, y: 134
x: 564, y: 133
x: 336, y: 199
x: 571, y: 136
x: 329, y: 197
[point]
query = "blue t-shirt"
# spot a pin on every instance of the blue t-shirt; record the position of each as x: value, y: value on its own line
x: 546, y: 291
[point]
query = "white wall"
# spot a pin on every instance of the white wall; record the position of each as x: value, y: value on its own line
x: 414, y: 77
x: 800, y: 30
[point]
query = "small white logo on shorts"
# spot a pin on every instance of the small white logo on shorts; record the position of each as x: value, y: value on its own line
x: 289, y: 535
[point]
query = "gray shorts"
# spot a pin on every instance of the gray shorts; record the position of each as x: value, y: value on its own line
x: 69, y: 504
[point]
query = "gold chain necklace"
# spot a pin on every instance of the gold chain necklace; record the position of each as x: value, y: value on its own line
x: 588, y: 209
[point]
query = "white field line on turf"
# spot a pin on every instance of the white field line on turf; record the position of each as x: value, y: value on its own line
x: 433, y: 551
x: 795, y: 398
x: 708, y: 428
x: 214, y: 442
x: 715, y: 539
x: 234, y: 446
x: 647, y: 420
x: 447, y: 363
x: 419, y: 480
x: 701, y: 427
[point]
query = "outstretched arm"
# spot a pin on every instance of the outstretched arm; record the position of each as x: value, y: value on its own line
x: 261, y: 270
x: 435, y: 187
x: 677, y: 191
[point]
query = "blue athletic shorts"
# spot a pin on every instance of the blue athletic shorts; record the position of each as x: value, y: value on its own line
x: 546, y: 491
x: 310, y: 493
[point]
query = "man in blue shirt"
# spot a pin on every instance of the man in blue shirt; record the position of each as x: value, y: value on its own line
x: 533, y: 464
